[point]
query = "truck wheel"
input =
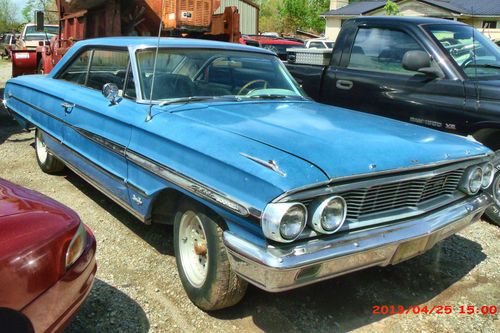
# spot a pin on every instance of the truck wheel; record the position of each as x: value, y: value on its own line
x: 46, y: 161
x: 202, y: 260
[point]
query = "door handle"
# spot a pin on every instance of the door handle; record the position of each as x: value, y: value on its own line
x: 68, y: 107
x: 344, y: 84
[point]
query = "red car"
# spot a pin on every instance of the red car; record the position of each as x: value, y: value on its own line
x: 275, y: 44
x: 47, y: 261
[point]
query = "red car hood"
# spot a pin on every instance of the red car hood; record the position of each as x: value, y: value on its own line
x: 34, y: 234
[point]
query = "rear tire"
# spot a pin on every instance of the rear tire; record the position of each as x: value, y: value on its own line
x: 46, y: 161
x: 202, y: 260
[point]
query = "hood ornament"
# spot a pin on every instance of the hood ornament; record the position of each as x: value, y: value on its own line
x: 271, y: 164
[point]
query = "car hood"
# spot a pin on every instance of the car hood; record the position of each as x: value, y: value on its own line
x: 340, y: 142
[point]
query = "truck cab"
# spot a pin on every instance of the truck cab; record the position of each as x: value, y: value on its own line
x: 31, y: 38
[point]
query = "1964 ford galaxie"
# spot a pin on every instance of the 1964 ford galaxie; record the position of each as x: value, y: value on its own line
x: 262, y: 184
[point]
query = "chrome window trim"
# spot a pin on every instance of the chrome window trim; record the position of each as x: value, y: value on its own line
x: 347, y: 183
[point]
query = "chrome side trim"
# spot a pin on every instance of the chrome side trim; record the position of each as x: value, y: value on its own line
x: 108, y: 144
x: 267, y: 164
x: 342, y: 184
x: 190, y: 185
x: 102, y: 189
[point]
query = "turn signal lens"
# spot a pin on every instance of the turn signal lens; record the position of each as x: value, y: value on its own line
x: 76, y: 246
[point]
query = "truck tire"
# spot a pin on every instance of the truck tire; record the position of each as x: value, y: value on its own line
x: 46, y: 161
x: 202, y: 260
x: 493, y: 213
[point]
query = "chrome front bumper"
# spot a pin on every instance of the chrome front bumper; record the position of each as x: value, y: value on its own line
x: 290, y: 266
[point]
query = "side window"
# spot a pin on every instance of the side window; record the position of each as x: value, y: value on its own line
x: 108, y: 66
x: 76, y: 72
x: 381, y: 50
x: 316, y: 45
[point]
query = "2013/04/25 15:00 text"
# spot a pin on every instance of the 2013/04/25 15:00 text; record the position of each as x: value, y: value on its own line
x: 437, y: 309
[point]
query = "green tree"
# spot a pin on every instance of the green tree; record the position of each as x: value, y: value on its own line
x: 270, y: 16
x: 8, y: 15
x: 391, y: 8
x: 49, y: 7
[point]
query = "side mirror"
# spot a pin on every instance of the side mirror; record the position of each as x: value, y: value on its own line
x: 39, y: 21
x: 420, y: 61
x: 111, y: 92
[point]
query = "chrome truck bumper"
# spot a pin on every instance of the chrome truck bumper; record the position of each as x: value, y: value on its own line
x: 290, y: 266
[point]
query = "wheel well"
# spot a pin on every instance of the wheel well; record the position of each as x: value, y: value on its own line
x: 14, y: 321
x: 166, y: 203
x: 489, y: 137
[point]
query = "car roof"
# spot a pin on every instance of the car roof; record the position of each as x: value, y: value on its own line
x: 406, y: 19
x: 151, y: 42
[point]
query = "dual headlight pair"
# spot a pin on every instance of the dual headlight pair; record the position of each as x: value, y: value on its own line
x: 477, y: 177
x: 284, y: 222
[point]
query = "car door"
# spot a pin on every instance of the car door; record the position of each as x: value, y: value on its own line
x: 98, y: 130
x: 370, y: 78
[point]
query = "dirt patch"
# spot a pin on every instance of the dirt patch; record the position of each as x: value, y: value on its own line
x: 138, y: 290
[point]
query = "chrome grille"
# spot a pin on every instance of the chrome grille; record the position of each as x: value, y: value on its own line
x: 404, y: 194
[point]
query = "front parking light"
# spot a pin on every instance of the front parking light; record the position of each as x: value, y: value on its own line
x: 76, y: 246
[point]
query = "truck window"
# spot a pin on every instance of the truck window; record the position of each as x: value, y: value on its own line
x: 316, y: 45
x: 468, y: 48
x: 381, y: 50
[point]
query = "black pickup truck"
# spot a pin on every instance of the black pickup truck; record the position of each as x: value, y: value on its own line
x: 433, y: 72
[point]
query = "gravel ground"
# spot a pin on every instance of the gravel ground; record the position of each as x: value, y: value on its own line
x: 137, y: 288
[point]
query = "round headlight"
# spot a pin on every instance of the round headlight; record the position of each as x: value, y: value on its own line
x: 475, y: 180
x: 488, y: 175
x: 328, y: 215
x: 283, y: 222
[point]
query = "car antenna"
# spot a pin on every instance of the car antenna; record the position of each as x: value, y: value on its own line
x: 474, y: 51
x: 149, y: 116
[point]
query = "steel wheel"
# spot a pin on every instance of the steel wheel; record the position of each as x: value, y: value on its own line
x: 46, y: 161
x: 193, y: 248
x: 41, y: 149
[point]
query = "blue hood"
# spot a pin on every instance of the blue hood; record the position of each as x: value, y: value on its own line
x: 338, y: 141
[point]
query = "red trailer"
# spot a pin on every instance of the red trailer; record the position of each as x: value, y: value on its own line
x: 82, y: 19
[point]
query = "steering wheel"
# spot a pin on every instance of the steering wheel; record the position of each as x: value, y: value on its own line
x: 468, y: 61
x: 245, y: 87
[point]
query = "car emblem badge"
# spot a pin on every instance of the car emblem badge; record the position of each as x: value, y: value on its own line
x: 137, y: 199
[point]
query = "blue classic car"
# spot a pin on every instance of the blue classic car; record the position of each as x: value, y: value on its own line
x: 262, y: 184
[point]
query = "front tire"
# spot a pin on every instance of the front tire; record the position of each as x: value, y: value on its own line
x: 493, y: 213
x: 46, y: 161
x: 202, y: 260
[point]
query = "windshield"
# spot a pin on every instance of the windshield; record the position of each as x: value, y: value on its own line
x: 184, y: 73
x: 472, y: 51
x: 50, y: 30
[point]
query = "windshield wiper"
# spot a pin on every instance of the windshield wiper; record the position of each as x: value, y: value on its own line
x: 274, y: 96
x: 198, y: 99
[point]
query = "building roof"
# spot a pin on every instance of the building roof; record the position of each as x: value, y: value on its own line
x: 467, y: 7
